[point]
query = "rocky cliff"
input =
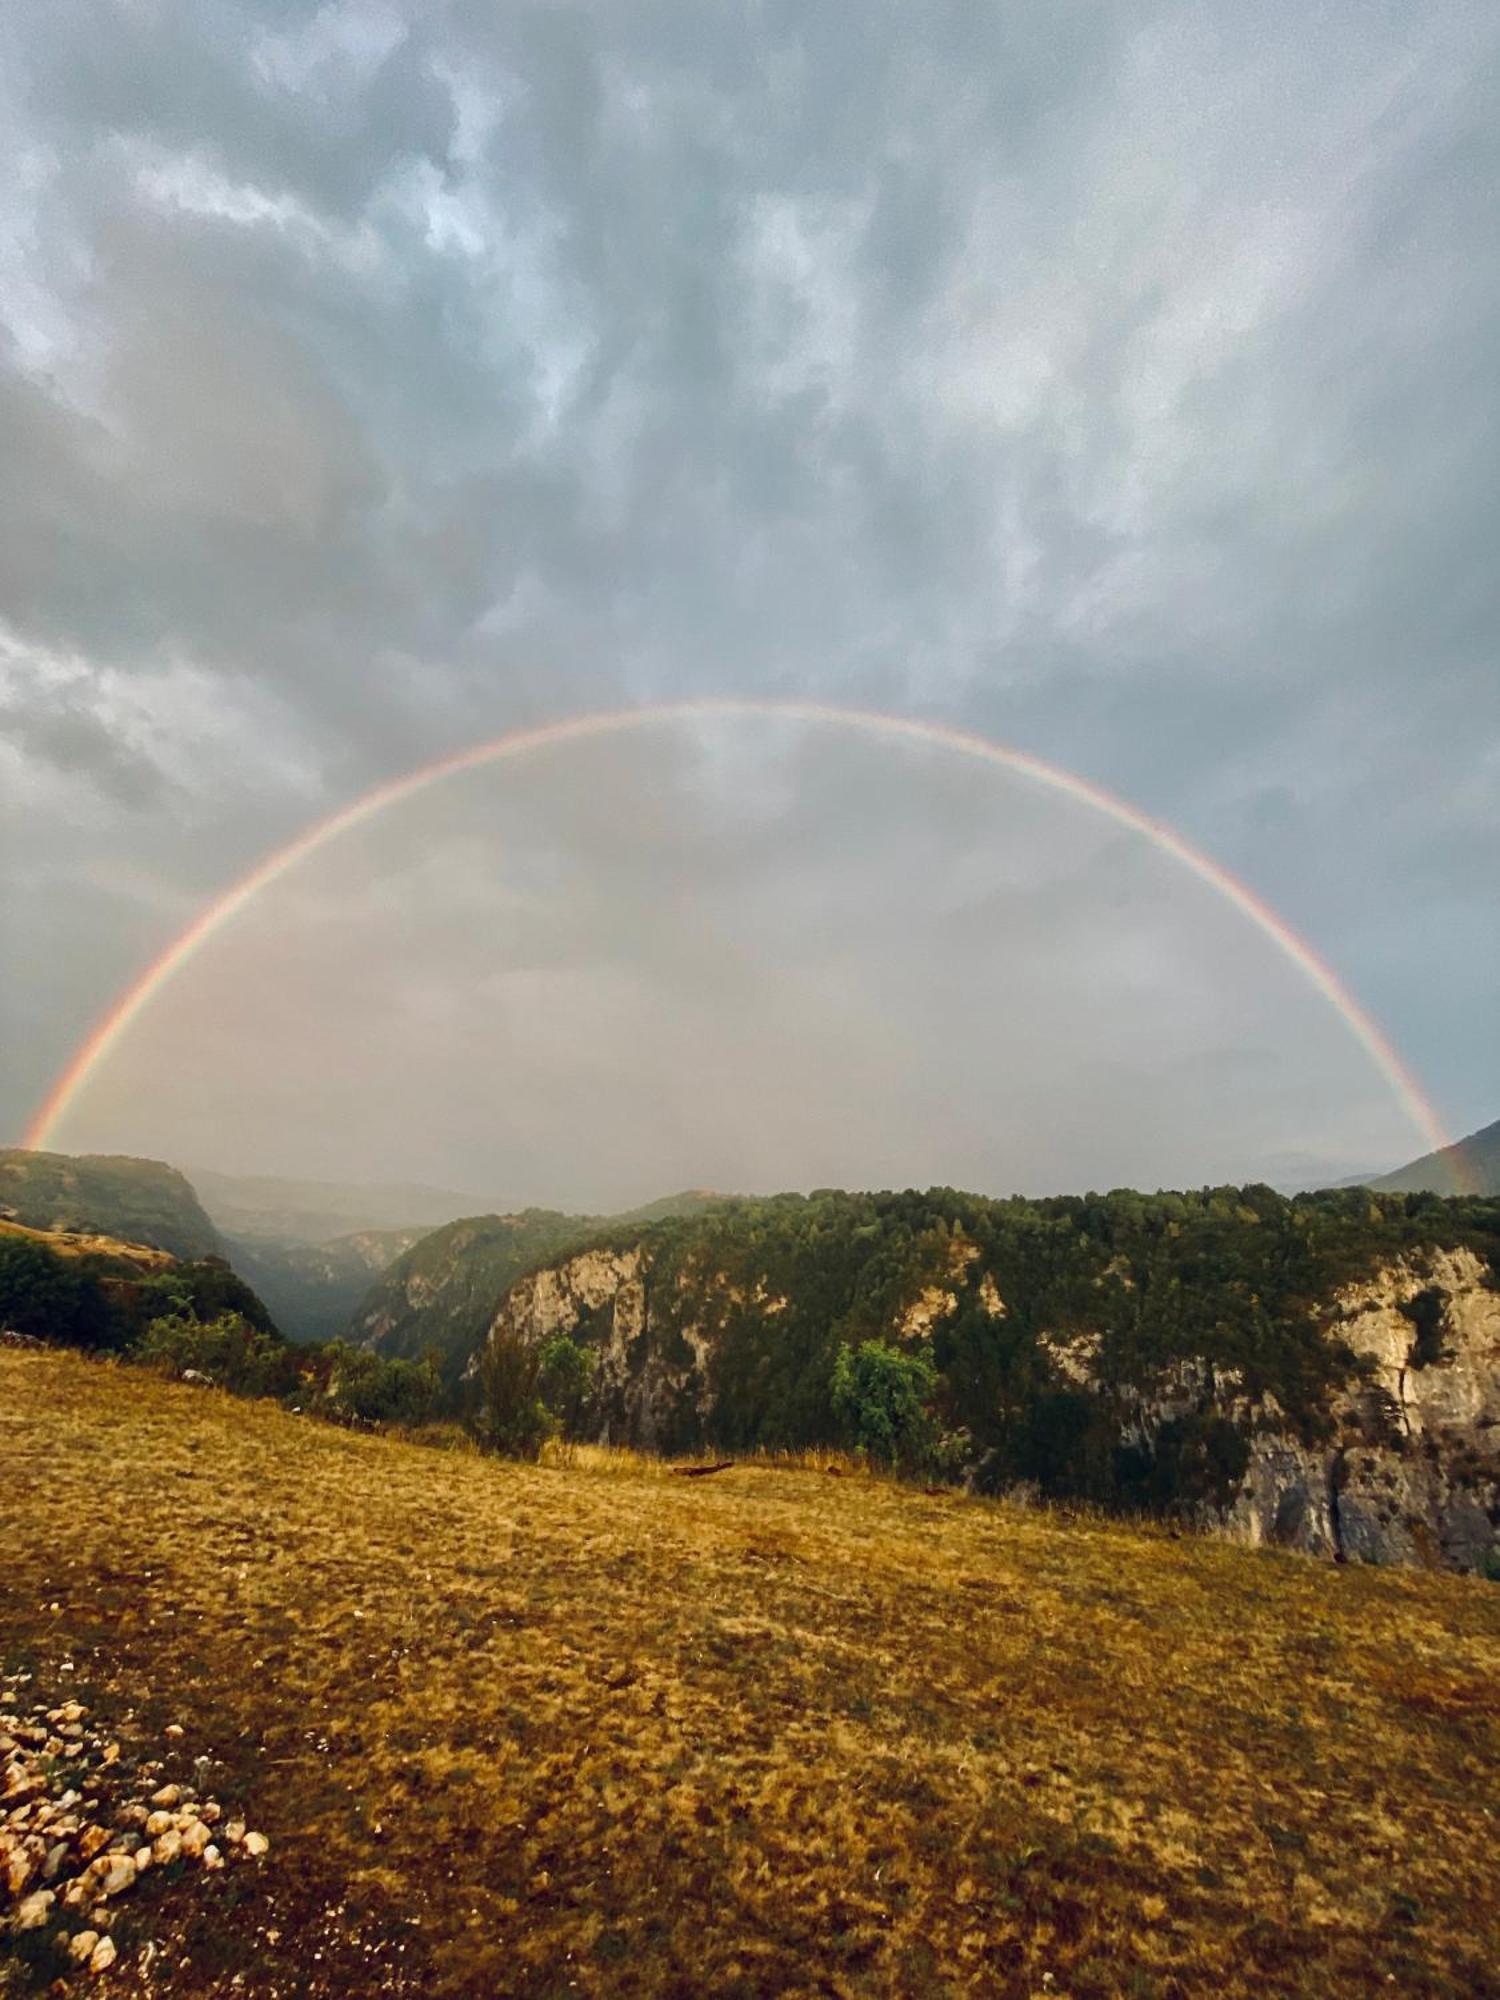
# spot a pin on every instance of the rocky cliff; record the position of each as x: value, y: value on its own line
x: 1412, y: 1471
x: 1360, y: 1422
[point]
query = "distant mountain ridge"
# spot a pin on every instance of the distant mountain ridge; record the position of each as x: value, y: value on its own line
x: 1471, y: 1166
x: 306, y: 1211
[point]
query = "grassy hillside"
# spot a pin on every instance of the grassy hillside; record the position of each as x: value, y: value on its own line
x: 1470, y: 1167
x: 138, y: 1201
x: 588, y: 1727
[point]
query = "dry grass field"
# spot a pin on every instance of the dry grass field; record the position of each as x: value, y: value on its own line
x: 589, y: 1728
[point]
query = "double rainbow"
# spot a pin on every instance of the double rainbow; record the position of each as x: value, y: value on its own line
x: 60, y: 1100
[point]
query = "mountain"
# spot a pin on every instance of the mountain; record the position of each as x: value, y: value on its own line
x: 313, y: 1288
x: 1472, y: 1166
x: 440, y: 1296
x: 137, y: 1201
x: 1322, y: 1371
x: 294, y: 1211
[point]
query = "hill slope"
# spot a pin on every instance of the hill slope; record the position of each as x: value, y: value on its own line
x: 588, y: 1727
x: 137, y: 1201
x: 1470, y: 1167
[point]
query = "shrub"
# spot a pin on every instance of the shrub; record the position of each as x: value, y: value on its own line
x: 229, y: 1350
x: 1428, y: 1313
x: 48, y: 1297
x: 363, y: 1384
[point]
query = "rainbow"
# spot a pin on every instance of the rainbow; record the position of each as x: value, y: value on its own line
x: 106, y: 1036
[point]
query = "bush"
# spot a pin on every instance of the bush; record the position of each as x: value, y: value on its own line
x: 511, y: 1418
x: 365, y: 1385
x: 880, y: 1397
x: 229, y: 1350
x: 1428, y: 1313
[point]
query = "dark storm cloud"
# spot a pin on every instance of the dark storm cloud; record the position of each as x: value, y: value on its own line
x: 376, y: 378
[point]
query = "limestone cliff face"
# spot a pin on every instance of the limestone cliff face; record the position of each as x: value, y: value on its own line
x: 642, y: 1384
x: 1409, y: 1471
x: 1412, y: 1474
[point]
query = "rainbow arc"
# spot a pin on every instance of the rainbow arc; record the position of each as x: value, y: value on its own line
x: 129, y: 1006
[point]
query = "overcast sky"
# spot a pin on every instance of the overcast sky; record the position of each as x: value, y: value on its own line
x: 1116, y: 381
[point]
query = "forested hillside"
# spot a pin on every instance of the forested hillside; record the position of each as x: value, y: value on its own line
x: 440, y: 1297
x: 137, y: 1201
x: 1137, y: 1351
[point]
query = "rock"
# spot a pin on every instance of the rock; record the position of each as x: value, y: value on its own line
x: 194, y: 1840
x: 142, y: 1859
x: 120, y: 1877
x: 197, y: 1375
x: 32, y: 1911
x: 167, y: 1795
x: 56, y: 1856
x: 167, y: 1847
x: 211, y: 1813
x: 81, y: 1946
x: 103, y: 1955
x: 172, y: 1729
x: 91, y: 1840
x: 212, y: 1858
x: 234, y: 1833
x: 158, y: 1822
x: 256, y: 1845
x: 17, y: 1865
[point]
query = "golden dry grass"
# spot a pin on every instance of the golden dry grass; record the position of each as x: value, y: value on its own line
x: 88, y: 1243
x: 586, y: 1728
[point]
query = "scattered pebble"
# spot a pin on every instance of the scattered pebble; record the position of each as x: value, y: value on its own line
x: 81, y: 1822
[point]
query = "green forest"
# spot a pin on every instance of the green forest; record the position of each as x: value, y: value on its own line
x: 1233, y: 1287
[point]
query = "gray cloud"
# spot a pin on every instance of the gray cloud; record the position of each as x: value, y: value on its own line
x: 377, y: 378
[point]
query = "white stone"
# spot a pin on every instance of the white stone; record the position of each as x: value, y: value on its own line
x: 32, y: 1910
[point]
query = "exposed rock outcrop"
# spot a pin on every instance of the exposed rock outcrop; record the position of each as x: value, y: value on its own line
x: 1406, y: 1469
x: 1412, y: 1474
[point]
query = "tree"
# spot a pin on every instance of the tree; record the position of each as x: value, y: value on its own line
x: 511, y: 1418
x: 564, y: 1378
x: 880, y: 1396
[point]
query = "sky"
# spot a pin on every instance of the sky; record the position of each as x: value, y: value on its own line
x: 1113, y: 381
